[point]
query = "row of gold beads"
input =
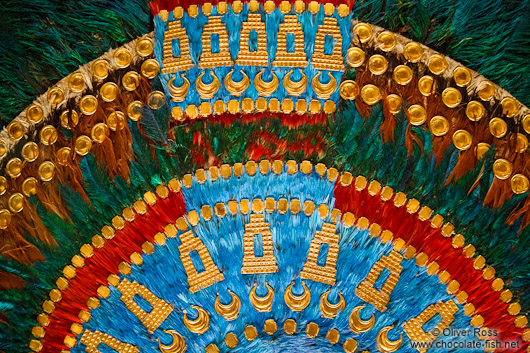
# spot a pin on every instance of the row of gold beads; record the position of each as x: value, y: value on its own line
x: 439, y: 125
x: 83, y: 144
x: 282, y: 205
x: 249, y: 105
x: 290, y: 327
x: 122, y: 58
x: 253, y: 5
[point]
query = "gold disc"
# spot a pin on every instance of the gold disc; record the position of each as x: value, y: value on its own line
x: 29, y: 186
x: 462, y: 76
x: 462, y: 140
x: 486, y: 90
x: 417, y: 114
x: 437, y: 64
x: 144, y: 47
x: 48, y: 135
x: 498, y: 127
x: 131, y: 80
x: 522, y: 143
x: 83, y: 145
x: 156, y: 100
x: 109, y: 91
x: 5, y: 218
x: 3, y: 184
x: 30, y: 151
x: 426, y: 85
x: 116, y: 120
x: 526, y: 123
x: 475, y: 110
x: 394, y: 103
x: 349, y: 90
x: 451, y: 97
x: 481, y: 149
x: 46, y: 171
x: 510, y: 106
x: 377, y: 64
x: 134, y: 110
x: 403, y: 74
x: 122, y: 57
x: 413, y: 52
x: 439, y: 125
x: 15, y: 130
x: 76, y: 82
x: 502, y: 169
x: 363, y: 31
x: 34, y: 113
x: 387, y: 41
x: 519, y: 183
x: 99, y: 132
x: 69, y: 119
x: 63, y: 155
x: 150, y: 68
x: 100, y: 69
x: 88, y: 105
x: 14, y: 167
x: 370, y: 94
x: 16, y: 202
x: 355, y: 57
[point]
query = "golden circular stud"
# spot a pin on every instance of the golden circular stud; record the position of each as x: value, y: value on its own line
x: 355, y: 57
x: 34, y: 113
x: 481, y: 149
x: 29, y: 186
x: 3, y: 184
x: 519, y: 184
x: 521, y: 143
x: 156, y: 100
x: 426, y: 85
x: 502, y: 169
x: 439, y: 125
x: 486, y: 90
x: 462, y: 76
x: 134, y: 110
x: 99, y: 132
x: 394, y: 102
x: 131, y: 80
x: 413, y: 52
x: 100, y: 69
x: 498, y: 127
x: 377, y: 64
x: 403, y: 75
x: 510, y: 106
x: 437, y: 64
x: 48, y: 135
x: 526, y: 123
x: 462, y: 140
x: 116, y: 120
x: 15, y: 130
x: 475, y: 110
x: 69, y: 119
x: 417, y: 114
x: 451, y: 97
x: 5, y: 218
x: 109, y: 91
x: 349, y: 89
x: 16, y: 202
x: 88, y: 105
x: 30, y: 151
x: 83, y: 144
x: 46, y: 171
x: 150, y: 68
x: 76, y: 82
x: 144, y: 47
x: 14, y: 167
x: 122, y: 58
x: 363, y: 31
x: 63, y: 155
x: 370, y: 94
x: 386, y: 41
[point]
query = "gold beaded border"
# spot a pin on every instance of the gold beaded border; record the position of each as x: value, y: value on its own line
x: 269, y: 205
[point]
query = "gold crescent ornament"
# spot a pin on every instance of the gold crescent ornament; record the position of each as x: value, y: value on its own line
x: 207, y: 90
x: 201, y: 324
x: 178, y: 345
x: 261, y: 304
x: 178, y: 93
x: 297, y: 302
x: 384, y: 344
x: 324, y: 90
x: 329, y: 310
x: 265, y: 89
x: 236, y: 88
x: 294, y: 89
x: 229, y: 311
x: 358, y: 325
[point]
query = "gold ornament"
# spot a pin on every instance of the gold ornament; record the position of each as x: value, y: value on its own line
x: 498, y: 127
x: 403, y: 75
x: 462, y: 140
x: 207, y: 90
x: 178, y: 94
x: 413, y: 52
x: 265, y: 89
x: 426, y: 85
x: 324, y: 90
x: 519, y: 184
x: 178, y: 344
x: 228, y: 311
x: 439, y: 125
x: 384, y: 344
x: 358, y: 325
x: 236, y: 88
x: 150, y: 68
x: 131, y: 80
x: 201, y: 324
x: 377, y: 64
x: 370, y: 94
x: 451, y: 97
x: 355, y: 57
x: 502, y: 169
x: 109, y: 91
x: 462, y: 76
x: 262, y: 304
x: 417, y: 115
x: 295, y: 89
x: 328, y: 309
x: 297, y: 302
x: 363, y: 31
x: 387, y: 41
x: 437, y: 64
x: 100, y: 69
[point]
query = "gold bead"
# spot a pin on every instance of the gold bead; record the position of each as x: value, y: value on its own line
x: 192, y: 112
x: 16, y: 202
x: 287, y: 106
x: 269, y: 6
x: 261, y: 104
x: 329, y: 9
x: 134, y: 110
x: 314, y: 106
x: 100, y: 69
x: 116, y: 120
x: 475, y: 110
x: 222, y: 7
x: 502, y: 169
x: 156, y: 100
x: 481, y: 149
x: 46, y: 171
x: 63, y: 155
x: 5, y: 218
x: 109, y: 91
x: 34, y: 113
x: 314, y: 7
x: 247, y: 105
x: 15, y: 130
x: 520, y: 321
x: 394, y: 103
x: 76, y: 82
x: 355, y: 57
x: 426, y: 85
x: 462, y: 76
x: 99, y: 132
x: 88, y: 105
x: 122, y: 58
x: 29, y: 186
x: 131, y: 80
x: 285, y: 7
x: 301, y: 106
x: 205, y: 109
x: 437, y: 64
x: 237, y: 6
x: 14, y: 167
x: 30, y: 151
x: 519, y: 183
x: 343, y: 10
x: 522, y: 143
x: 526, y: 123
x: 417, y: 114
x: 83, y: 144
x: 299, y: 6
x: 486, y: 90
x: 377, y: 64
x: 329, y: 107
x: 451, y: 97
x: 349, y: 90
x: 498, y: 127
x: 363, y: 31
x: 370, y: 94
x: 69, y: 119
x: 510, y: 106
x: 403, y: 75
x: 387, y: 41
x: 3, y: 184
x: 144, y: 46
x: 233, y: 106
x: 514, y: 308
x: 253, y: 6
x: 413, y: 52
x: 462, y: 140
x: 439, y: 125
x: 150, y: 68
